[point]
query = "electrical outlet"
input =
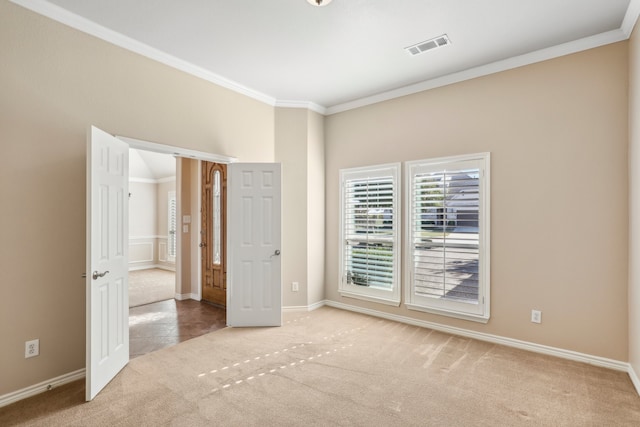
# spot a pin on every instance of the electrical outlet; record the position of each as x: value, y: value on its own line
x: 295, y: 287
x: 536, y: 316
x: 31, y: 348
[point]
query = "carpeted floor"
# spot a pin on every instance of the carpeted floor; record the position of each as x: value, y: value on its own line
x: 151, y: 285
x: 332, y: 367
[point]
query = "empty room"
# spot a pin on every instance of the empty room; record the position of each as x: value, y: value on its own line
x: 412, y: 212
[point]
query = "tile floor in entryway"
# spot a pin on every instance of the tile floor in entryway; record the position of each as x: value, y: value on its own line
x: 162, y: 324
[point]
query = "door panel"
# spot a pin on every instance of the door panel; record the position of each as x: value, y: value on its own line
x: 213, y: 233
x: 254, y: 271
x: 107, y: 267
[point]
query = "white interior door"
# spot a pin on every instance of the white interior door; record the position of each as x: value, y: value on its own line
x: 254, y: 284
x: 107, y: 253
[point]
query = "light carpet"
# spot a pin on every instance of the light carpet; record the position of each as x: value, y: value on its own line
x: 333, y: 367
x: 151, y: 285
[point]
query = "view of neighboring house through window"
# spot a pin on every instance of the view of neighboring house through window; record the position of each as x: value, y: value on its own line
x: 369, y: 238
x: 172, y: 215
x: 448, y: 236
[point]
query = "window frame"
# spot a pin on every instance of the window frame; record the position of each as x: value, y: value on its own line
x: 172, y: 209
x: 461, y: 310
x: 371, y: 293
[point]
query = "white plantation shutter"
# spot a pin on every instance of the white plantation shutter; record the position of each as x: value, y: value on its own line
x: 448, y: 235
x: 370, y: 224
x: 172, y: 215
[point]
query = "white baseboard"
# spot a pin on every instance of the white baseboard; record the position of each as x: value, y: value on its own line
x: 141, y: 267
x: 634, y: 378
x: 182, y: 297
x: 151, y: 267
x: 30, y: 391
x: 301, y: 308
x: 510, y: 342
x: 317, y: 305
x: 294, y: 308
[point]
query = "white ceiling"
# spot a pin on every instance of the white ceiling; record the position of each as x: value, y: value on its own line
x: 151, y: 166
x: 287, y: 52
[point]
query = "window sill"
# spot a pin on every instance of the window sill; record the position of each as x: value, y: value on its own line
x: 380, y: 300
x: 464, y: 316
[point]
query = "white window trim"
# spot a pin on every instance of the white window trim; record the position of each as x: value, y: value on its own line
x: 449, y: 308
x: 383, y: 296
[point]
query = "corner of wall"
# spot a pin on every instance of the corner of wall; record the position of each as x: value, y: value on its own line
x: 633, y: 293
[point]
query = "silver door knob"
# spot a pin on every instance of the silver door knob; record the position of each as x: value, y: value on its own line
x: 276, y: 253
x: 96, y: 275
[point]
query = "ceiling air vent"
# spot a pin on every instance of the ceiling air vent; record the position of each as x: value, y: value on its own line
x: 424, y: 46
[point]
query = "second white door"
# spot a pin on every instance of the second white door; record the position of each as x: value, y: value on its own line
x: 254, y: 284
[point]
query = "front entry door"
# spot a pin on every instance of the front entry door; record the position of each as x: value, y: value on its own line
x: 107, y: 301
x: 213, y: 231
x: 254, y: 273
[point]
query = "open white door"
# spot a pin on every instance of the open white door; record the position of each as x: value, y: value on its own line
x: 254, y: 285
x: 107, y: 253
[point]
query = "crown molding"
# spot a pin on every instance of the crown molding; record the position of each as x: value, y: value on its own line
x: 82, y: 24
x: 631, y: 17
x: 302, y: 104
x: 484, y: 70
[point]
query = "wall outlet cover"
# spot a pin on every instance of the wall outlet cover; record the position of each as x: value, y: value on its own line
x: 536, y: 316
x: 31, y: 348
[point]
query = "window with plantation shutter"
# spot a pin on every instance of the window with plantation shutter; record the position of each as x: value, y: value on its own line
x: 448, y: 236
x: 369, y: 226
x: 172, y: 215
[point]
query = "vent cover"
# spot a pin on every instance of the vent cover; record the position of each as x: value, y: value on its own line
x: 424, y: 46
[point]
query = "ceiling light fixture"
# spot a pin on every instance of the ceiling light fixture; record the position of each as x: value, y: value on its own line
x: 319, y: 2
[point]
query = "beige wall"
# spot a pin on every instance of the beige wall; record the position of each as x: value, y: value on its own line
x: 300, y: 149
x: 315, y: 209
x: 185, y: 195
x: 143, y: 225
x: 634, y: 201
x: 557, y: 133
x: 143, y: 202
x: 291, y: 152
x: 55, y: 82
